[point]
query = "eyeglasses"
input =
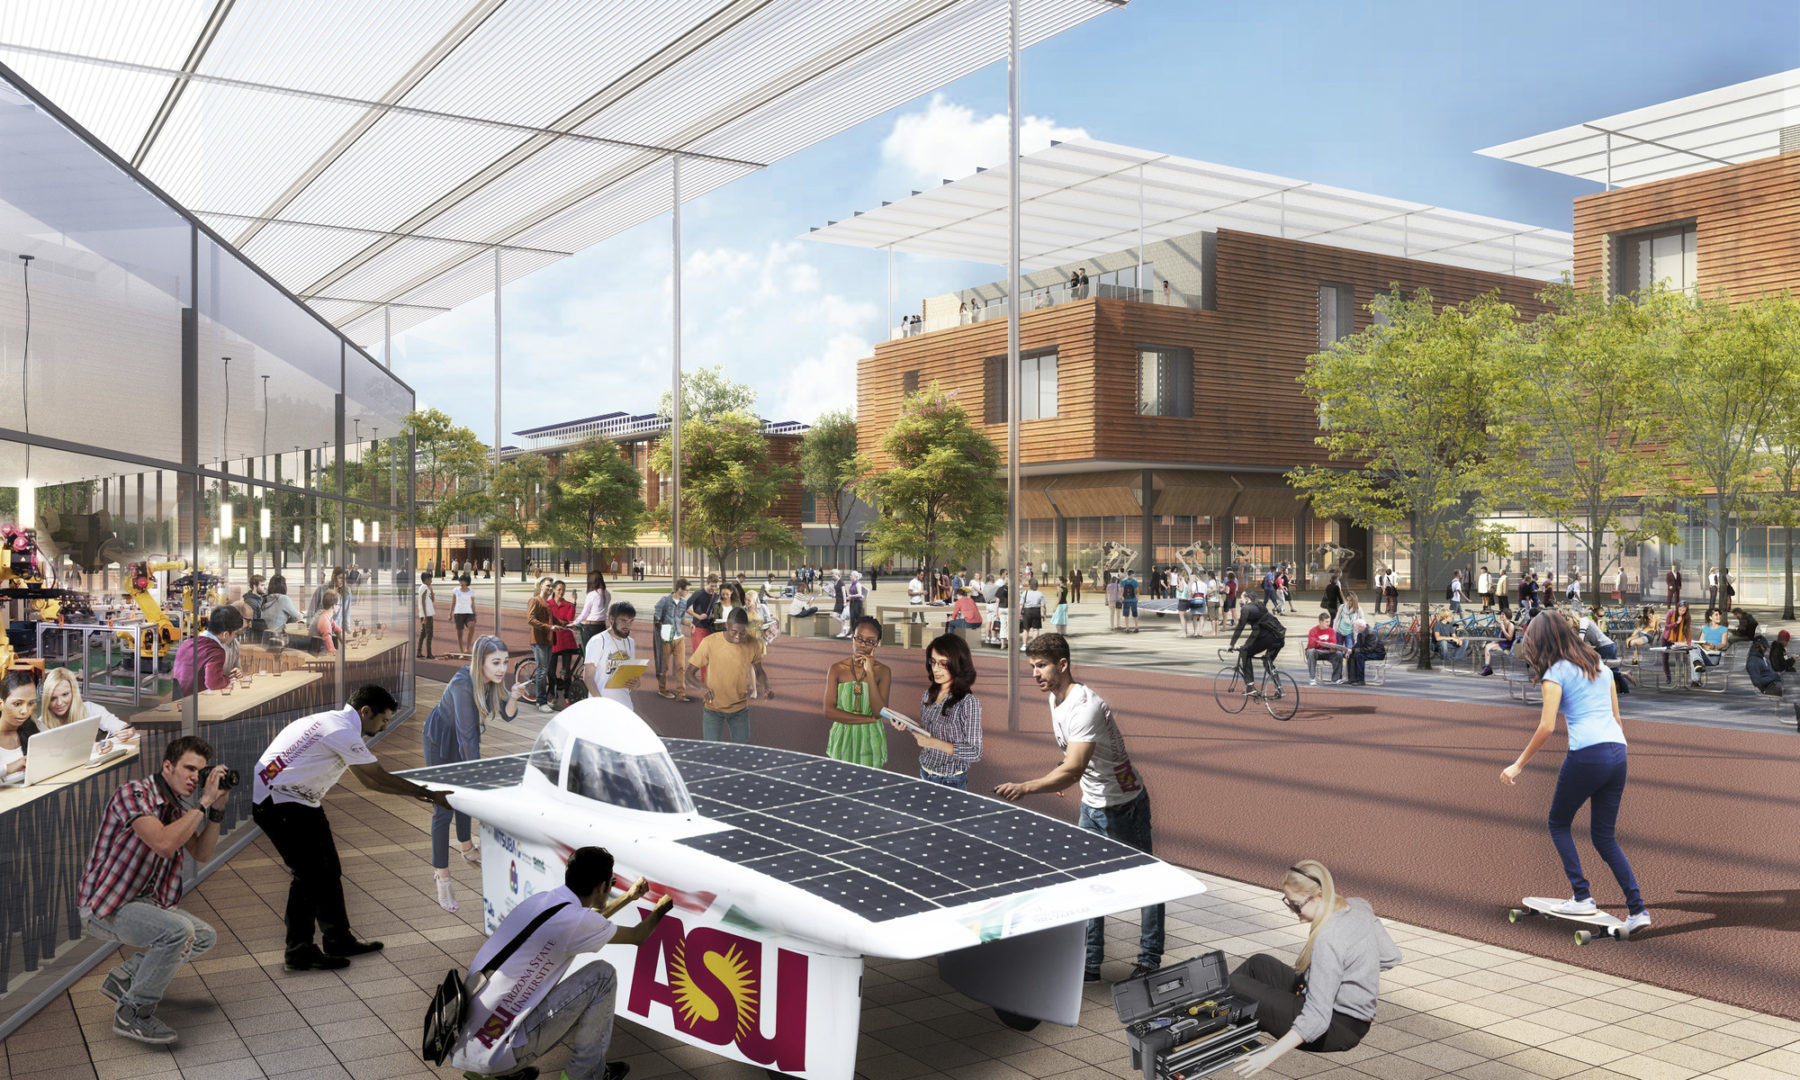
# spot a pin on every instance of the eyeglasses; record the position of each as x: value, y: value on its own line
x: 1291, y: 906
x: 871, y: 642
x: 937, y: 662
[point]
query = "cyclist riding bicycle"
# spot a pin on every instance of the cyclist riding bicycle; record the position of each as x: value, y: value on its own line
x: 1267, y: 636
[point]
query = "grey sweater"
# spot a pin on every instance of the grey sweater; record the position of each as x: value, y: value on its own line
x: 1345, y: 974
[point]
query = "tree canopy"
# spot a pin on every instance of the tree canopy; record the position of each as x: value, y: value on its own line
x: 706, y: 394
x: 729, y: 488
x: 598, y: 499
x: 943, y: 493
x: 452, y: 471
x: 517, y: 495
x: 829, y: 468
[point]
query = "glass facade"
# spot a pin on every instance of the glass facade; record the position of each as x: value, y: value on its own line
x: 175, y: 432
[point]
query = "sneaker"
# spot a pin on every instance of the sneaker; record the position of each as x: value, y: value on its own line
x: 1486, y: 670
x: 351, y: 947
x: 545, y: 706
x: 142, y: 1026
x: 309, y: 958
x: 1142, y: 969
x: 1312, y: 682
x: 112, y: 988
x: 1575, y: 907
x: 1640, y: 921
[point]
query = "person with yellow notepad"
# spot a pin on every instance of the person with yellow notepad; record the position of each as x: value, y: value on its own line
x: 612, y: 652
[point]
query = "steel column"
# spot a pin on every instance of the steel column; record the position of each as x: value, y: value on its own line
x: 1017, y: 581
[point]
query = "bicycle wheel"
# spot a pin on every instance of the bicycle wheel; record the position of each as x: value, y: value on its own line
x: 1228, y: 690
x: 1281, y: 695
x: 525, y: 672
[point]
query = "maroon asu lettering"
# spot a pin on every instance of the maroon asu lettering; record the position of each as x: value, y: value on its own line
x: 714, y: 990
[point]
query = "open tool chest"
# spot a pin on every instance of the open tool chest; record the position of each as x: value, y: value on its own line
x: 1183, y: 1021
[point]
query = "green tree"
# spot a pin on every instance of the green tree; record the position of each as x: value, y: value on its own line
x: 1781, y: 455
x: 517, y: 497
x: 1581, y: 419
x: 729, y: 487
x: 943, y: 492
x: 452, y: 471
x: 1406, y: 410
x: 599, y: 499
x: 830, y: 470
x: 707, y: 394
x: 1720, y: 391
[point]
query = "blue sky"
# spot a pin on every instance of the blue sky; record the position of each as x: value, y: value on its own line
x: 1391, y: 98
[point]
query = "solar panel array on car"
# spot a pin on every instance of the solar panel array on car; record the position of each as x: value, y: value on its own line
x: 881, y: 844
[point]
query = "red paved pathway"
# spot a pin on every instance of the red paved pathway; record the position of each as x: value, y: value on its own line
x: 1402, y: 798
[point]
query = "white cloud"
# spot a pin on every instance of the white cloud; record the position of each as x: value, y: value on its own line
x: 948, y: 141
x: 591, y: 335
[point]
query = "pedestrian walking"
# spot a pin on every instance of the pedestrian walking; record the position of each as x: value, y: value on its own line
x: 594, y: 605
x: 1578, y: 687
x: 462, y: 617
x: 1672, y: 580
x: 543, y: 641
x: 565, y: 650
x: 1114, y: 800
x: 475, y: 697
x: 426, y: 609
x: 856, y: 690
x: 668, y: 640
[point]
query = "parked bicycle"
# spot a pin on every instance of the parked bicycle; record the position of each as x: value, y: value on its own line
x: 525, y: 674
x: 1277, y: 690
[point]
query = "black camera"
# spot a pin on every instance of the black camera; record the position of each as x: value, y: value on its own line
x: 227, y: 780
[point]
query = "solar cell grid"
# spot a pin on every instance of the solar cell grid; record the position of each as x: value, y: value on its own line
x: 789, y: 832
x: 846, y: 816
x: 954, y: 854
x: 835, y: 777
x: 1065, y: 849
x: 793, y: 866
x: 935, y: 803
x: 752, y: 791
x: 485, y: 774
x: 737, y: 845
x: 742, y: 758
x: 865, y: 895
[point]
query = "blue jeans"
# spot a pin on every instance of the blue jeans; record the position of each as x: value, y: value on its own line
x: 441, y: 816
x: 546, y: 667
x: 582, y: 1002
x: 1593, y: 774
x: 167, y: 935
x: 959, y: 781
x: 713, y: 725
x: 1128, y: 823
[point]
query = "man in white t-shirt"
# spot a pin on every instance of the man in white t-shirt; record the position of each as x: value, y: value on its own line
x: 1484, y: 587
x: 915, y: 594
x: 527, y: 1006
x: 610, y: 648
x: 1113, y: 798
x: 291, y: 779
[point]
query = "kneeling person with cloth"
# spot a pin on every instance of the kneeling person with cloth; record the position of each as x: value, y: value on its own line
x: 527, y: 1006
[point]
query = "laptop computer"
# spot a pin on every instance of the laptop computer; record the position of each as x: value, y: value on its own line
x: 58, y: 750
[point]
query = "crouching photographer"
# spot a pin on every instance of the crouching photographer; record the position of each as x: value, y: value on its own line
x: 132, y: 882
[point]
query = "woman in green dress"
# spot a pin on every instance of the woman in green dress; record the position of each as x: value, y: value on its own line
x: 856, y: 690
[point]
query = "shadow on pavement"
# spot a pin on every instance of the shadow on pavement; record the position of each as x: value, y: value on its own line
x: 1766, y: 909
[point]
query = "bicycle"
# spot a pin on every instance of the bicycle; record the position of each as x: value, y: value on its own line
x: 1401, y: 637
x: 1277, y: 691
x: 525, y: 675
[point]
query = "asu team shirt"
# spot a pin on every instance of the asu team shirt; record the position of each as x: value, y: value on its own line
x: 308, y: 757
x: 492, y: 1034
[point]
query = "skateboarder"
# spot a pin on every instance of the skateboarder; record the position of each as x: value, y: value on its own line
x: 1578, y: 686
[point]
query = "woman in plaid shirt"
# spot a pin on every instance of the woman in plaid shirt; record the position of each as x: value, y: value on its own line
x: 132, y: 883
x: 950, y: 713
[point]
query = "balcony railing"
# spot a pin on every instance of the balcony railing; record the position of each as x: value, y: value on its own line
x: 1034, y: 300
x: 626, y: 426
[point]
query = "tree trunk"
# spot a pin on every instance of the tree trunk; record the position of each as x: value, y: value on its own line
x: 1787, y: 573
x: 1422, y: 568
x: 1594, y: 540
x: 1719, y: 595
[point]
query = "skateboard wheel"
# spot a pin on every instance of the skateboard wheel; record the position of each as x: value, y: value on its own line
x: 1514, y: 915
x: 1582, y: 937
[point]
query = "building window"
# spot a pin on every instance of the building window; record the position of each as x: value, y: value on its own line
x: 1037, y: 387
x: 1376, y: 314
x: 909, y: 382
x: 1165, y: 381
x: 1337, y: 313
x: 1666, y: 255
x: 809, y: 507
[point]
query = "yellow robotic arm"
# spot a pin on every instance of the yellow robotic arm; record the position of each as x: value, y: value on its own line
x: 137, y: 588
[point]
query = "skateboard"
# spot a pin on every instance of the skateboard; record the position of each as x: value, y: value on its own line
x: 1610, y: 925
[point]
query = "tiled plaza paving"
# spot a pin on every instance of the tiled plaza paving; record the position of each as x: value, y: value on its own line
x: 1455, y: 1008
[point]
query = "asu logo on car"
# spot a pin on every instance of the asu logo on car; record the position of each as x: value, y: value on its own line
x: 715, y: 992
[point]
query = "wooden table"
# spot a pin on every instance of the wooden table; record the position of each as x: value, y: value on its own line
x: 217, y: 707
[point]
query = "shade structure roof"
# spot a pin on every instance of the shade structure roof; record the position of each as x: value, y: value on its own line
x: 1080, y: 199
x: 373, y: 154
x: 1726, y: 126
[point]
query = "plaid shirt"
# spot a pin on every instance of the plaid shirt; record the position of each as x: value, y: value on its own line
x: 122, y: 867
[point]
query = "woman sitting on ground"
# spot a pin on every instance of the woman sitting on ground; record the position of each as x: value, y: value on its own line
x: 1325, y: 1003
x: 1509, y: 632
x: 1746, y: 629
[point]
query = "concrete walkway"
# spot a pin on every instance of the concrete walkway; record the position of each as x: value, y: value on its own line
x: 1455, y: 1008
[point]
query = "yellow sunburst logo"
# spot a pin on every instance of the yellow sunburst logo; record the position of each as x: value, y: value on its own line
x: 733, y: 973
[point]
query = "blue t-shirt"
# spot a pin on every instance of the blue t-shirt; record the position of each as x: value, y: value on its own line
x: 1586, y: 705
x: 1128, y: 588
x: 1713, y: 635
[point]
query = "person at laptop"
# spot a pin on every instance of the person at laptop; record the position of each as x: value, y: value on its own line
x: 131, y: 887
x: 60, y: 703
x: 18, y: 703
x: 200, y: 661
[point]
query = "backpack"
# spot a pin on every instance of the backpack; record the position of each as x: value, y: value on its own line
x: 1449, y: 592
x: 449, y: 1008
